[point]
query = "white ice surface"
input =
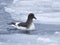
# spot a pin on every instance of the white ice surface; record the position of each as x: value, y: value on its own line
x: 44, y: 10
x: 20, y: 9
x: 25, y: 39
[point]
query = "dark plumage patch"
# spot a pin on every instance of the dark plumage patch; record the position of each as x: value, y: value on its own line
x: 22, y: 24
x: 12, y: 23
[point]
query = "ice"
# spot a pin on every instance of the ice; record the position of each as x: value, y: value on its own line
x: 42, y: 10
x: 47, y: 25
x: 28, y: 39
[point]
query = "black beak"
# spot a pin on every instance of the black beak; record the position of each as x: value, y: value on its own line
x: 34, y: 17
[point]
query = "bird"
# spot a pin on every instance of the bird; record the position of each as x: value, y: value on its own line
x: 28, y: 25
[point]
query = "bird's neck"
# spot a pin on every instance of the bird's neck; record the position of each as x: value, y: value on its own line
x: 29, y: 21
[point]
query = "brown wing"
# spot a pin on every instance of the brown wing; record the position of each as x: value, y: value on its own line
x: 22, y: 24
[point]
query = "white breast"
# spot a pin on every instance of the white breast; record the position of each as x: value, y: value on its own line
x: 32, y: 27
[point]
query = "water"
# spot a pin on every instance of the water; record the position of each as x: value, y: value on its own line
x: 47, y: 30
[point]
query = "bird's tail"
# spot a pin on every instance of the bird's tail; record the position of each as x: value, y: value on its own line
x: 12, y: 23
